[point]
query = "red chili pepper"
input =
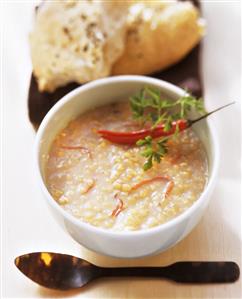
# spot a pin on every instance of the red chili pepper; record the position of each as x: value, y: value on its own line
x: 89, y: 187
x: 147, y: 181
x: 169, y: 186
x: 134, y: 136
x: 168, y: 189
x: 158, y: 131
x: 119, y: 208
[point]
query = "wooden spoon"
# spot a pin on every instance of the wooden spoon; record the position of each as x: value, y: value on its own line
x: 64, y: 272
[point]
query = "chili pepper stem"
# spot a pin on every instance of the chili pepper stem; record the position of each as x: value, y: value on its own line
x: 191, y: 122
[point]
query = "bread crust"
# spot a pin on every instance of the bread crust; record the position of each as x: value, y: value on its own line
x: 161, y: 40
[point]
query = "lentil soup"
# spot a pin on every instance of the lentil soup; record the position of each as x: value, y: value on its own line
x: 104, y: 184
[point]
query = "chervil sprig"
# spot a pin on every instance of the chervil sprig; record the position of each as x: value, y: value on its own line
x: 149, y: 106
x: 153, y: 151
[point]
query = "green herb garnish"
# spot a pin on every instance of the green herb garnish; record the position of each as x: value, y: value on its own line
x: 149, y: 106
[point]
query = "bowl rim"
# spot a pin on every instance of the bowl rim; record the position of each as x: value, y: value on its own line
x: 108, y: 232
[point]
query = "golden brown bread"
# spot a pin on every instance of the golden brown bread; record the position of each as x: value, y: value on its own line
x: 79, y: 41
x: 159, y: 35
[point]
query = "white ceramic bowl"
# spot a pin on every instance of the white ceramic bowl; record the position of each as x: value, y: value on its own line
x: 121, y: 244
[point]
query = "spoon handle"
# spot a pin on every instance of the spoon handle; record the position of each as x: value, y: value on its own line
x: 183, y: 272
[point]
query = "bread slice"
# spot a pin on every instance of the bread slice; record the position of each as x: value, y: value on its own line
x: 76, y: 41
x: 160, y: 34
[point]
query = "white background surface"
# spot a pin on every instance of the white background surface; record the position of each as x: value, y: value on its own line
x: 27, y: 224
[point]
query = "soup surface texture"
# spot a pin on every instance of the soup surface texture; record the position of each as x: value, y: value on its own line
x: 104, y: 184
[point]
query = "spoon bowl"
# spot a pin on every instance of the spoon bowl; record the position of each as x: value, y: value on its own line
x: 56, y: 271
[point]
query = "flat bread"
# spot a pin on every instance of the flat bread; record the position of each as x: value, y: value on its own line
x: 76, y: 41
x: 160, y: 34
